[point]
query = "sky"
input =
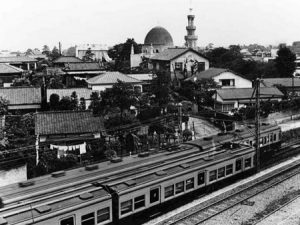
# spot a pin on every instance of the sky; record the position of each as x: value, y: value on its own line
x: 33, y: 23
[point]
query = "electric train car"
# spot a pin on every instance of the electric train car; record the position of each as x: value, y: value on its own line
x: 109, y: 193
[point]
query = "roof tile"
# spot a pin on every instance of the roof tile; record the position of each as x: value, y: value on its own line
x: 22, y: 95
x: 112, y: 78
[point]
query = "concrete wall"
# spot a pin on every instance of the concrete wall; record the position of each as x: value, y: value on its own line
x: 11, y: 176
x: 240, y: 82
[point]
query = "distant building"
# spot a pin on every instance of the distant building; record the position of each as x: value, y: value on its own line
x: 63, y: 60
x: 8, y: 73
x: 22, y: 62
x: 233, y: 98
x: 288, y: 86
x: 108, y: 79
x: 36, y: 54
x: 191, y: 38
x: 225, y: 78
x: 100, y: 52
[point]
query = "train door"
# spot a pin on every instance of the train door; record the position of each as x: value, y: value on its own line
x: 154, y: 195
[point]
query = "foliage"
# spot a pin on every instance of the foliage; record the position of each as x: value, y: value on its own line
x: 66, y: 103
x: 74, y: 100
x: 3, y: 106
x: 46, y: 50
x: 71, y: 51
x: 54, y: 102
x: 55, y: 82
x: 55, y: 53
x: 161, y: 88
x: 21, y: 82
x: 95, y: 103
x: 89, y: 55
x: 82, y: 104
x: 285, y: 62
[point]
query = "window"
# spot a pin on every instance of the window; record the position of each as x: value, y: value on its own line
x: 213, y: 175
x: 221, y: 172
x: 169, y: 191
x: 88, y: 219
x: 201, y: 178
x: 103, y: 215
x: 248, y: 162
x: 201, y: 66
x: 274, y: 137
x: 178, y: 65
x: 227, y: 107
x: 189, y: 184
x: 67, y: 221
x: 126, y: 207
x: 238, y: 165
x: 271, y: 137
x: 139, y: 202
x: 227, y: 82
x: 229, y: 169
x: 179, y: 187
x: 154, y: 195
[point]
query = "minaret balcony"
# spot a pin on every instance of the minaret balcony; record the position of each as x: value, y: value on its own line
x: 191, y: 37
x: 191, y: 27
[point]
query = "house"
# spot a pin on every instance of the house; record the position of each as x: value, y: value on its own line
x: 62, y: 60
x: 181, y: 62
x: 36, y: 54
x: 67, y: 130
x: 108, y: 79
x: 84, y: 93
x: 225, y: 78
x: 233, y: 98
x: 8, y: 73
x: 146, y: 78
x: 22, y: 62
x: 22, y: 98
x: 288, y: 86
x: 100, y: 52
x: 81, y: 71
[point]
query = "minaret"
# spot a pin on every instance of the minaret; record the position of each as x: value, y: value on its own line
x: 191, y: 38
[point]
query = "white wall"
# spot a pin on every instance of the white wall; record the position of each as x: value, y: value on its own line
x: 11, y: 176
x: 240, y: 82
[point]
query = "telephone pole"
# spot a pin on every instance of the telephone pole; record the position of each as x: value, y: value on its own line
x: 257, y: 124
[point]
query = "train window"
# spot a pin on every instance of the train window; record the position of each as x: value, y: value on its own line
x: 238, y: 164
x: 67, y: 221
x: 179, y: 187
x: 189, y: 183
x: 139, y: 202
x: 126, y: 207
x: 213, y: 175
x: 274, y: 137
x: 229, y: 169
x: 271, y: 137
x: 154, y: 195
x: 248, y: 162
x: 221, y: 172
x: 201, y: 178
x: 88, y: 219
x: 169, y: 191
x: 103, y: 215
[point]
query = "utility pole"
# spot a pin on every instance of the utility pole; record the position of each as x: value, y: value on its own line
x: 257, y: 124
x: 180, y: 121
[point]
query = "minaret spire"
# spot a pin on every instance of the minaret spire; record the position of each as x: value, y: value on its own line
x: 191, y: 38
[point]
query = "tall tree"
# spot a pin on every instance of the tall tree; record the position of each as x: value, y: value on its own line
x: 74, y: 100
x: 285, y: 62
x: 55, y: 53
x: 71, y: 51
x: 54, y: 102
x: 46, y: 50
x: 89, y: 55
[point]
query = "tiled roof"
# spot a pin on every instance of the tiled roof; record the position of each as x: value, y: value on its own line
x: 84, y: 66
x: 81, y: 92
x: 17, y: 59
x: 286, y: 82
x: 112, y: 78
x: 208, y: 74
x: 67, y: 59
x: 22, y: 95
x: 172, y: 53
x: 142, y: 76
x: 67, y: 122
x: 6, y: 69
x: 247, y: 93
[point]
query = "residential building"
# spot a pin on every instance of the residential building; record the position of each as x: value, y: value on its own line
x: 224, y: 78
x: 108, y: 79
x: 67, y: 128
x: 100, y: 52
x: 22, y: 62
x: 146, y: 78
x: 22, y: 98
x: 63, y: 60
x: 84, y: 93
x: 233, y: 98
x: 180, y: 62
x: 289, y: 86
x: 36, y: 54
x: 8, y: 73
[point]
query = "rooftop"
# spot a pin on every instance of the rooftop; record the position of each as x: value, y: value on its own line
x: 286, y: 82
x: 17, y: 59
x: 22, y: 95
x: 67, y: 122
x: 158, y: 36
x: 112, y: 78
x: 83, y: 66
x: 172, y: 53
x: 67, y: 59
x: 209, y: 73
x: 6, y: 69
x: 247, y: 93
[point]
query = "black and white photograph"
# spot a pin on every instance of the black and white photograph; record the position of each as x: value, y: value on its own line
x: 150, y: 112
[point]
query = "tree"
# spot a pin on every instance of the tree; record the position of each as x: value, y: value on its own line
x: 95, y: 105
x: 71, y: 51
x: 3, y: 106
x: 46, y: 50
x: 29, y: 51
x: 66, y: 103
x: 161, y: 88
x: 21, y: 82
x: 74, y: 100
x: 285, y: 62
x: 89, y: 55
x: 55, y: 53
x: 54, y: 102
x: 82, y: 104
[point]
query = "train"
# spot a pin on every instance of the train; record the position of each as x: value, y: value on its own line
x: 118, y: 193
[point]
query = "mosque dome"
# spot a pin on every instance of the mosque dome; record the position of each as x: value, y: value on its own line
x: 158, y: 36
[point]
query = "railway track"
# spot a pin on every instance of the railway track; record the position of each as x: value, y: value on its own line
x: 202, y: 213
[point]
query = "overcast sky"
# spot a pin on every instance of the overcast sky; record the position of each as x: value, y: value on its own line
x: 33, y: 23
